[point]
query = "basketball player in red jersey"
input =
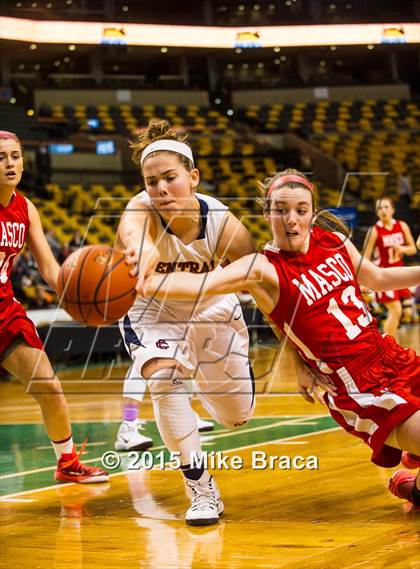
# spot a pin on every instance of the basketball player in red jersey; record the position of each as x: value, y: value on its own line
x: 307, y: 280
x: 21, y: 350
x: 392, y: 239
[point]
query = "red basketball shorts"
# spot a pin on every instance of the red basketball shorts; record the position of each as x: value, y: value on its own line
x: 371, y: 402
x: 390, y: 295
x: 14, y: 323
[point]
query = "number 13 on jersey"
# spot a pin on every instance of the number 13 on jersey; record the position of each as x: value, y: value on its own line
x: 352, y: 329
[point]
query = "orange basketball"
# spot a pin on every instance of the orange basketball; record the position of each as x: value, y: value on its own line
x: 95, y: 286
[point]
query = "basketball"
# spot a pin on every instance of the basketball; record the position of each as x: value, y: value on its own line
x: 95, y: 286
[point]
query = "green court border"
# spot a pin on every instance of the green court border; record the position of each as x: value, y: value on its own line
x: 29, y: 479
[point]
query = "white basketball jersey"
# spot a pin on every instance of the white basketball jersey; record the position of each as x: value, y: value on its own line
x: 199, y: 256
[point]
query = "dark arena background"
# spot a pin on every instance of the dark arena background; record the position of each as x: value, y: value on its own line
x: 331, y: 88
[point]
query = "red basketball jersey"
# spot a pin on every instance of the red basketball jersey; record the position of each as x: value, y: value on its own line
x: 320, y: 308
x: 14, y: 223
x: 387, y: 239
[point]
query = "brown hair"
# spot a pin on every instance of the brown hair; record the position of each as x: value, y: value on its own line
x: 380, y: 200
x: 158, y: 129
x: 324, y: 219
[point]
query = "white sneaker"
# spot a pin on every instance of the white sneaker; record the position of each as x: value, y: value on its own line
x: 129, y: 438
x: 202, y: 424
x: 206, y: 503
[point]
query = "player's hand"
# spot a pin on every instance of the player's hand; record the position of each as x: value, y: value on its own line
x: 132, y: 258
x: 309, y: 383
x: 143, y: 266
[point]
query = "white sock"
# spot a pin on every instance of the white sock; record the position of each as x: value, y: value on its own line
x: 63, y: 447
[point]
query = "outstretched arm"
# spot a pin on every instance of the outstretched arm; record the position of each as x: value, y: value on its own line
x: 252, y: 273
x: 377, y: 278
x: 237, y: 276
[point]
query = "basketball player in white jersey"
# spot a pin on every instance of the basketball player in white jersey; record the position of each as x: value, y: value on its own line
x: 171, y: 228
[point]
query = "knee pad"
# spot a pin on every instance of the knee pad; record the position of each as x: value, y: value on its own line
x: 166, y: 381
x: 171, y: 403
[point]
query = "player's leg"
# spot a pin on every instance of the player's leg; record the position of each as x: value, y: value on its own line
x: 407, y: 311
x: 25, y: 363
x: 231, y: 401
x: 171, y: 404
x: 162, y: 355
x: 129, y: 436
x: 387, y: 419
x: 204, y: 425
x: 406, y: 436
x: 403, y: 483
x: 226, y: 391
x: 408, y: 307
x: 225, y: 379
x: 393, y: 319
x: 178, y: 428
x: 32, y: 367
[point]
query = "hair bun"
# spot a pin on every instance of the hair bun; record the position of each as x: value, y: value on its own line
x: 156, y: 130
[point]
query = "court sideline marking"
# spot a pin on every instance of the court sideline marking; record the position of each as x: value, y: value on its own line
x: 276, y: 441
x: 216, y: 436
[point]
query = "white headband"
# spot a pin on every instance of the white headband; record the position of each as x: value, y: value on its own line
x: 170, y: 146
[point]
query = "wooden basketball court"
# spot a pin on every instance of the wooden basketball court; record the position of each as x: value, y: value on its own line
x: 340, y: 515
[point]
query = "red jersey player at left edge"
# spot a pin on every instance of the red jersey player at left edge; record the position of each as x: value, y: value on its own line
x: 21, y: 350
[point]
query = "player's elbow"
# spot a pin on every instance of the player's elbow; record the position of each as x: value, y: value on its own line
x: 256, y: 275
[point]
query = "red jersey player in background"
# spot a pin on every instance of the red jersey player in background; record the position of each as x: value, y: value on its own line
x: 392, y: 239
x: 21, y: 350
x: 307, y: 281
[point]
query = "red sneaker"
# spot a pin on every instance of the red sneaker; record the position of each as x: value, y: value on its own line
x: 401, y: 484
x: 69, y: 469
x: 410, y: 460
